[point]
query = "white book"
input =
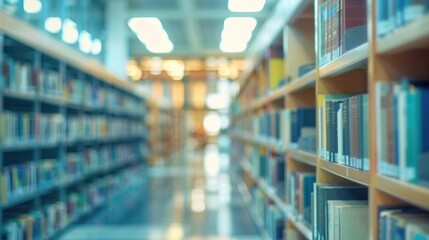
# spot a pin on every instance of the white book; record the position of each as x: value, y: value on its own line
x: 340, y: 135
x: 353, y: 222
x: 333, y: 215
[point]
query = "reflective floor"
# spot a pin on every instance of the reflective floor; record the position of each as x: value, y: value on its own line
x: 193, y: 199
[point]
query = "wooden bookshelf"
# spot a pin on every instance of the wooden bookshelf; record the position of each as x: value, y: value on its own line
x: 303, y: 228
x: 348, y: 173
x: 303, y: 157
x: 306, y: 81
x: 402, y: 53
x: 44, y: 52
x: 412, y: 36
x: 353, y: 59
x: 414, y: 194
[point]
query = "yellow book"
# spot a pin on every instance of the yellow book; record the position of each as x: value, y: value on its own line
x: 276, y: 72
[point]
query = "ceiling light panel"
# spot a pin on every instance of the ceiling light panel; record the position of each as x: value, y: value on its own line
x: 246, y: 5
x: 236, y: 34
x: 150, y: 32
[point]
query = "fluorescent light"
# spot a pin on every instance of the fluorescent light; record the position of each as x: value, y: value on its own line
x: 144, y: 24
x: 212, y: 124
x: 70, y: 34
x: 236, y: 35
x: 240, y: 23
x: 53, y: 24
x: 150, y: 32
x: 232, y: 47
x: 246, y: 5
x: 85, y: 42
x: 96, y: 47
x: 32, y: 6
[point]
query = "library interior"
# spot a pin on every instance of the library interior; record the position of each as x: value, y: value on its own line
x: 214, y: 119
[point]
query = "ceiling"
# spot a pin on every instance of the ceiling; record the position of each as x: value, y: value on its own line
x: 194, y: 26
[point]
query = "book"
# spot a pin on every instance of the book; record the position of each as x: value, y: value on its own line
x: 326, y: 192
x: 343, y: 215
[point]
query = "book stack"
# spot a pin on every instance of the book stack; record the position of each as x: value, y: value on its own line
x: 73, y: 167
x: 343, y: 27
x: 17, y: 76
x: 276, y: 173
x: 343, y: 135
x: 402, y: 130
x: 50, y: 128
x: 18, y: 180
x: 51, y: 84
x: 17, y: 127
x: 402, y: 222
x: 55, y: 216
x: 303, y: 129
x: 91, y: 160
x: 394, y: 14
x: 49, y: 172
x: 74, y: 91
x: 353, y: 219
x: 299, y: 191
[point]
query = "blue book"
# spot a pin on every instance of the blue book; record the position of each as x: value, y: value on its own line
x: 423, y: 161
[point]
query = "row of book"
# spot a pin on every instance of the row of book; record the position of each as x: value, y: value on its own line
x: 402, y: 130
x: 343, y: 132
x: 286, y: 128
x: 340, y: 212
x: 83, y: 127
x: 342, y: 27
x: 299, y: 191
x: 23, y: 179
x: 402, y: 222
x: 22, y: 77
x: 23, y: 127
x: 392, y: 14
x: 54, y: 216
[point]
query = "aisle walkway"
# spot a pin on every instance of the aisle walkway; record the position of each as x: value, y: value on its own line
x: 200, y: 201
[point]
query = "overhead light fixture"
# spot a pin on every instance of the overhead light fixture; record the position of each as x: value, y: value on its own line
x: 240, y: 23
x: 150, y: 32
x: 32, y: 6
x: 236, y: 33
x: 85, y: 42
x: 70, y: 34
x: 53, y: 24
x: 97, y: 46
x: 246, y: 5
x: 232, y: 47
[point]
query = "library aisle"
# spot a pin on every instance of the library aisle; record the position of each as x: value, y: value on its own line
x: 201, y: 201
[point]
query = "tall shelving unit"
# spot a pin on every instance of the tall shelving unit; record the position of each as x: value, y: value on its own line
x: 99, y: 148
x: 403, y: 52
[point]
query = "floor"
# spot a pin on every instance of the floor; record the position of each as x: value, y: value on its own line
x: 193, y: 199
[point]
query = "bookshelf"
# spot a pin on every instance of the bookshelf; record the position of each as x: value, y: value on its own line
x: 72, y: 135
x: 355, y: 75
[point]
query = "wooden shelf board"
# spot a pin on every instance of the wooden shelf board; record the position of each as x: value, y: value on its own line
x: 346, y: 172
x: 412, y: 35
x: 43, y: 42
x: 305, y: 81
x: 351, y: 60
x: 303, y: 157
x: 302, y: 227
x: 411, y: 193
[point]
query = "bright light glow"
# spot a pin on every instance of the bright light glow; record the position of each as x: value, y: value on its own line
x: 53, y: 24
x: 237, y: 32
x: 156, y: 66
x: 152, y: 34
x: 70, y: 34
x: 198, y: 200
x: 246, y: 5
x: 134, y: 71
x: 32, y: 6
x: 96, y: 47
x: 212, y: 123
x: 175, y: 69
x: 239, y: 35
x: 232, y: 47
x: 240, y: 23
x: 141, y: 25
x: 85, y: 42
x: 216, y: 101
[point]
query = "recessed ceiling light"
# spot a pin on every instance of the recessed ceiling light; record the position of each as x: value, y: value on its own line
x: 32, y: 6
x: 240, y: 23
x: 246, y: 5
x: 70, y: 34
x: 53, y: 24
x: 232, y: 46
